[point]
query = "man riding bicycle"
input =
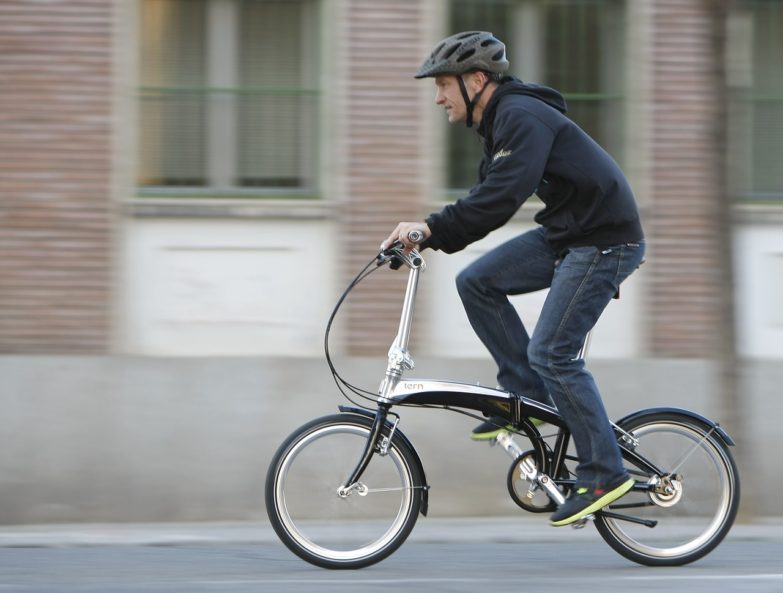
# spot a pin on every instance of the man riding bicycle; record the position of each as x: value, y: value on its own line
x: 589, y: 240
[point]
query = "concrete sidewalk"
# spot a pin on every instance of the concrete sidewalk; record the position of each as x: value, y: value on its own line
x: 441, y: 530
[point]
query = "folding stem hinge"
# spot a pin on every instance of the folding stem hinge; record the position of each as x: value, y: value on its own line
x: 385, y: 442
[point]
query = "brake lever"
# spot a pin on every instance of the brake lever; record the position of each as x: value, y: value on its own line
x: 392, y: 254
x: 395, y: 256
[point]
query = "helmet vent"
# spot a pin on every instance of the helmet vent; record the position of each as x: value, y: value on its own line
x: 468, y: 34
x: 488, y: 42
x: 465, y: 55
x: 451, y: 50
x: 498, y: 56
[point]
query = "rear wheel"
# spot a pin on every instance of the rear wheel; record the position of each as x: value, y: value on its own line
x: 694, y: 502
x: 333, y: 527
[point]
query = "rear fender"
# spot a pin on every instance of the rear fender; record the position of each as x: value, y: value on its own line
x: 634, y: 416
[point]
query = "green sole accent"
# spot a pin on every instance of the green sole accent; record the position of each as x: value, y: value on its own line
x: 491, y: 435
x: 606, y: 499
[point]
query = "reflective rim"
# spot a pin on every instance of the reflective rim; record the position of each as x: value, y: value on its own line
x: 306, y: 543
x: 723, y: 467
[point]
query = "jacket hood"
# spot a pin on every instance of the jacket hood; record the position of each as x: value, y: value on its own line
x: 513, y: 86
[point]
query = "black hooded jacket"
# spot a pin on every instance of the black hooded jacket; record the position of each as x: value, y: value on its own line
x: 530, y: 146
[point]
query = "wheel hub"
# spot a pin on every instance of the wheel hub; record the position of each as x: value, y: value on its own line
x: 359, y: 488
x: 667, y: 492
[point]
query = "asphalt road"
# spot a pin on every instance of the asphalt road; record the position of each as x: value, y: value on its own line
x: 586, y: 564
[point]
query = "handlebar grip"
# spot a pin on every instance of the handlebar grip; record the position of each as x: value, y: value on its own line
x: 416, y: 236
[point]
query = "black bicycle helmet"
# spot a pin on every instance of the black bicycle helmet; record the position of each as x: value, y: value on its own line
x: 466, y: 52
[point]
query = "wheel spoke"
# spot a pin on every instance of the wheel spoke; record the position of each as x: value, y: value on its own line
x: 337, y: 526
x: 685, y: 457
x: 691, y: 515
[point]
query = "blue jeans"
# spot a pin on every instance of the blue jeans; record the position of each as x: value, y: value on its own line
x: 581, y: 283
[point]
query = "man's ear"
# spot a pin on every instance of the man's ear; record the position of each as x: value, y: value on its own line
x: 479, y: 79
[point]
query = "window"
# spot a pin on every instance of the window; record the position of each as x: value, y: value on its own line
x: 766, y: 102
x: 229, y: 96
x: 574, y: 46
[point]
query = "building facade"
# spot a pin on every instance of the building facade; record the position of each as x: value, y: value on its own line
x: 181, y: 176
x: 201, y: 178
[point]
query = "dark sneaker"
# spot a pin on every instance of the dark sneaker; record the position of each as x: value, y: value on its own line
x: 486, y: 431
x: 582, y: 502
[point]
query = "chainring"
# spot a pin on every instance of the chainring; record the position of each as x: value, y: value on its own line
x: 525, y: 493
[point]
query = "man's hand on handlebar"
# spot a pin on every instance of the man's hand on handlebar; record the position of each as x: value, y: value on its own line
x: 410, y: 234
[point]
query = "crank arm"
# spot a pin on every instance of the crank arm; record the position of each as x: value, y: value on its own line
x: 529, y: 469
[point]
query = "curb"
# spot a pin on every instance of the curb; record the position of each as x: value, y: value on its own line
x: 428, y: 530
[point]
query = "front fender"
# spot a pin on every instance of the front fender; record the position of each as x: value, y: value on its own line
x: 404, y: 439
x: 724, y: 436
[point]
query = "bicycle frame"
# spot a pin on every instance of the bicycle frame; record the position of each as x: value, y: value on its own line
x: 394, y: 391
x: 314, y: 509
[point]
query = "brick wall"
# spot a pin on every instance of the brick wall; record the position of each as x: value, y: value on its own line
x: 684, y: 293
x: 382, y: 48
x: 56, y: 221
x: 55, y: 167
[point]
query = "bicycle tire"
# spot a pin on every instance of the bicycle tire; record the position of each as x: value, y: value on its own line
x: 697, y: 512
x: 350, y: 531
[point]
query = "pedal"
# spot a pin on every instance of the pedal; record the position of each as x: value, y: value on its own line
x: 531, y: 491
x: 505, y: 440
x: 582, y: 522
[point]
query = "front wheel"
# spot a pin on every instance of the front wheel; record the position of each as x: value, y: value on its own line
x: 333, y: 527
x: 692, y: 505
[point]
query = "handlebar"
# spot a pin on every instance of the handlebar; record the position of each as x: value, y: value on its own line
x: 395, y: 255
x: 416, y: 236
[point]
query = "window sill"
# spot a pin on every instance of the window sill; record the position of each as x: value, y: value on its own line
x: 267, y: 208
x: 759, y: 213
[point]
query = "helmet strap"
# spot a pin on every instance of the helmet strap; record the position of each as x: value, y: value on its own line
x: 469, y: 103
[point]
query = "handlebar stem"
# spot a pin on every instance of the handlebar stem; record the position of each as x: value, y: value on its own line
x: 408, y: 306
x: 400, y: 359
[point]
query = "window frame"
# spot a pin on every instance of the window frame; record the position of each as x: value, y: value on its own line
x: 222, y: 161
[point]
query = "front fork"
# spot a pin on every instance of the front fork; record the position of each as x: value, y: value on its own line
x: 374, y: 442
